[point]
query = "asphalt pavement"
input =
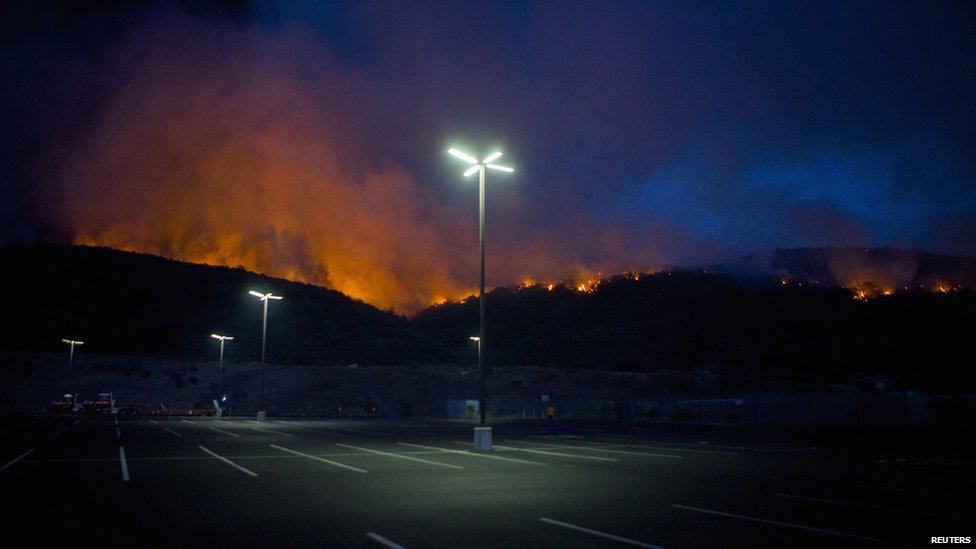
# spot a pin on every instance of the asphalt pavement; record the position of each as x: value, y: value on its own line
x: 289, y: 482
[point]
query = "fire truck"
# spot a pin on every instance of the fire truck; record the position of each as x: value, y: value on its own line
x: 67, y: 404
x: 104, y: 405
x: 72, y: 404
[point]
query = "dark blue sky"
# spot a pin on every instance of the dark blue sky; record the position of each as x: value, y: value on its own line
x: 708, y: 129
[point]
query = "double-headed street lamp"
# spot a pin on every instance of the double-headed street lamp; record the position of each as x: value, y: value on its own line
x: 71, y: 349
x: 264, y: 336
x: 220, y: 367
x: 481, y: 167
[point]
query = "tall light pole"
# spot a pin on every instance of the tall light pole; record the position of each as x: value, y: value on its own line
x: 480, y: 167
x: 264, y: 337
x: 71, y: 349
x: 220, y: 366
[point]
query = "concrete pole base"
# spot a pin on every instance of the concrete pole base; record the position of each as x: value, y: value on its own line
x: 482, y: 439
x: 262, y: 416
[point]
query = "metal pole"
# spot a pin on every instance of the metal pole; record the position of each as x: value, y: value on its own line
x: 481, y: 292
x: 71, y: 353
x: 264, y: 335
x: 220, y: 371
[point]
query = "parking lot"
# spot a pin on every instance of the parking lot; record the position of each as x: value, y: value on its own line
x: 414, y: 483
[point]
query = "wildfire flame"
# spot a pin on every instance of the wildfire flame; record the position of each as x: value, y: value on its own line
x: 238, y: 155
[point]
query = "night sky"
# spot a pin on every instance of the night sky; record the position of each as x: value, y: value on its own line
x: 643, y: 133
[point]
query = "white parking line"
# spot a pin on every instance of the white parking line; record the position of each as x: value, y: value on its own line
x: 401, y: 456
x: 272, y: 432
x: 77, y: 421
x: 229, y: 462
x: 607, y: 450
x: 16, y: 459
x: 789, y: 525
x: 383, y: 541
x: 545, y: 452
x: 323, y: 460
x: 59, y: 433
x: 598, y: 533
x: 172, y: 431
x: 475, y: 454
x: 855, y: 504
x: 154, y: 421
x: 118, y: 433
x: 123, y: 464
x: 224, y: 432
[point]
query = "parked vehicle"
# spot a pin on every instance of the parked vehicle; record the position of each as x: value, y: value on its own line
x: 67, y: 404
x: 104, y: 405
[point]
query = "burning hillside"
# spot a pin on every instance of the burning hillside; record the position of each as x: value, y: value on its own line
x: 122, y: 303
x: 223, y: 145
x: 866, y: 273
x: 226, y: 149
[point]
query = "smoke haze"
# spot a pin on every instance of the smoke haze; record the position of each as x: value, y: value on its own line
x: 223, y: 145
x: 308, y: 141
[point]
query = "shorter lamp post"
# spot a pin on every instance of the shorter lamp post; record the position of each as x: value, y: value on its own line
x: 71, y: 349
x: 220, y: 366
x: 481, y: 401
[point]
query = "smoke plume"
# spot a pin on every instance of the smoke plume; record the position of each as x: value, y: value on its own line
x: 237, y: 146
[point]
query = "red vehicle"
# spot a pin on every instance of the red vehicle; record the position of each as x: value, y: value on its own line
x: 104, y: 405
x: 68, y: 404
